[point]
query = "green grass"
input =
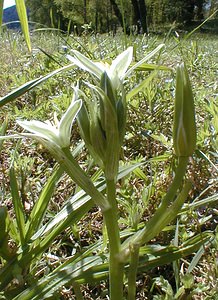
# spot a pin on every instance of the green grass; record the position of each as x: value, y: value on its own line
x: 148, y: 140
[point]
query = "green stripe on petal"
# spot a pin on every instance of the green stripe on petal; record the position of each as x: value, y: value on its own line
x: 86, y: 64
x: 121, y: 63
x: 58, y: 134
x: 66, y: 122
x: 41, y: 129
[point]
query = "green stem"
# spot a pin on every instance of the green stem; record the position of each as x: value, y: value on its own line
x: 77, y: 291
x: 116, y: 268
x: 133, y: 266
x: 177, y: 181
x: 124, y: 23
x: 164, y: 214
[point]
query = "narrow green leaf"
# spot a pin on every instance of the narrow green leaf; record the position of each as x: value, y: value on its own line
x: 143, y: 60
x: 4, y: 224
x: 198, y: 203
x: 1, y: 11
x: 78, y: 200
x: 21, y: 11
x: 18, y: 206
x: 199, y: 26
x: 158, y: 158
x: 176, y: 262
x: 154, y: 256
x: 152, y: 67
x: 86, y: 64
x: 196, y: 259
x: 141, y: 86
x: 30, y: 85
x: 3, y: 131
x: 40, y: 208
x: 204, y: 156
x: 51, y: 57
x: 84, y: 268
x: 49, y: 286
x: 138, y: 172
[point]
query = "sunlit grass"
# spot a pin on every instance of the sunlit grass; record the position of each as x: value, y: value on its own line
x: 148, y: 139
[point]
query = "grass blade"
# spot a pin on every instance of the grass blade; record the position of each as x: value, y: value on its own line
x: 30, y: 85
x: 3, y: 131
x: 152, y: 67
x: 155, y: 256
x: 198, y: 203
x: 142, y: 85
x: 142, y: 61
x: 41, y: 205
x: 21, y: 11
x: 196, y: 259
x: 78, y: 200
x: 1, y: 11
x: 18, y: 205
x: 86, y: 269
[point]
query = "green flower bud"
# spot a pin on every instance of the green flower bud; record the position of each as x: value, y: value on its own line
x: 84, y: 124
x: 109, y: 101
x: 98, y: 139
x: 106, y: 86
x: 121, y: 116
x: 184, y: 128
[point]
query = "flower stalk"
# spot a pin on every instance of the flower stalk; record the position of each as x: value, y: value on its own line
x: 166, y: 212
x: 116, y: 267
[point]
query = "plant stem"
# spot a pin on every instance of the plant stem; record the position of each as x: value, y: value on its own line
x: 164, y: 214
x: 133, y: 266
x: 116, y: 268
x: 177, y: 181
x: 77, y: 291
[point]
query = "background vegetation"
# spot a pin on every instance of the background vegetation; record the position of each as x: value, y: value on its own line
x: 149, y: 139
x: 138, y: 16
x: 36, y: 195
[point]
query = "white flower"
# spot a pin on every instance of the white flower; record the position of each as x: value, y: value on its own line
x: 57, y: 133
x: 117, y: 71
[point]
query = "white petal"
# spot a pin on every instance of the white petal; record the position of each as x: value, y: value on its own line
x: 41, y: 129
x: 86, y: 64
x: 121, y: 63
x: 66, y: 122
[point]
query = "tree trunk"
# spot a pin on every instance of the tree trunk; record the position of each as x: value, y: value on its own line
x: 137, y: 17
x: 200, y: 15
x: 143, y: 15
x: 116, y: 11
x: 85, y: 12
x: 119, y: 16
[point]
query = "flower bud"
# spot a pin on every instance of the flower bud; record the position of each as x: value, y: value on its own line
x: 184, y: 128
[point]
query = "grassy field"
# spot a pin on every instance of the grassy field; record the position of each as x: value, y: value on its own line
x: 52, y: 240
